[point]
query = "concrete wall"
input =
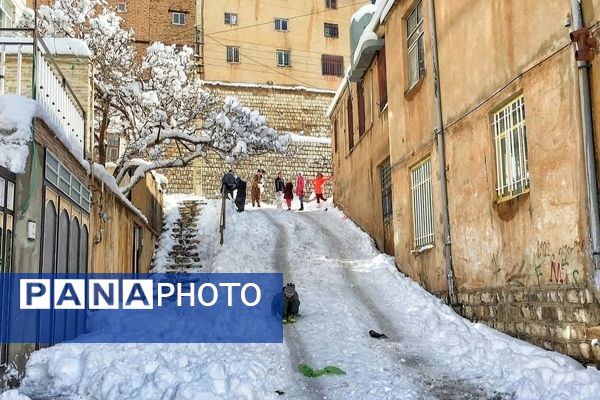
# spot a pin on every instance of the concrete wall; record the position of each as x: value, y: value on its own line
x: 258, y: 40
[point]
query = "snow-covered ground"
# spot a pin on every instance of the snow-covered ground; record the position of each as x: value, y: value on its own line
x: 346, y: 288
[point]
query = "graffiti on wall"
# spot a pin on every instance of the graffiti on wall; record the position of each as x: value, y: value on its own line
x: 556, y: 266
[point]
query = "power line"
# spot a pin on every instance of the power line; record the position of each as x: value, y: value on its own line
x: 266, y: 66
x: 292, y: 17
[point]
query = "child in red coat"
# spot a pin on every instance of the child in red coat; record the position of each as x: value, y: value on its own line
x: 288, y: 194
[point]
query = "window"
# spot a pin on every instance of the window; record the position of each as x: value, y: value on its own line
x: 283, y: 58
x: 360, y: 99
x: 350, y: 114
x: 386, y: 191
x: 332, y: 30
x: 332, y: 65
x: 6, y: 236
x: 231, y: 19
x: 233, y: 54
x: 122, y: 6
x: 331, y: 4
x: 335, y: 135
x: 415, y: 45
x: 137, y: 248
x: 58, y: 175
x: 422, y: 204
x: 281, y: 25
x: 7, y: 14
x: 113, y: 147
x: 510, y: 138
x: 178, y: 18
x: 382, y: 79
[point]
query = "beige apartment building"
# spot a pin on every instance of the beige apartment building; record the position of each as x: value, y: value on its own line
x: 472, y: 172
x: 299, y: 43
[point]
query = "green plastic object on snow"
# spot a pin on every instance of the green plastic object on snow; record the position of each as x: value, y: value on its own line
x: 315, y: 373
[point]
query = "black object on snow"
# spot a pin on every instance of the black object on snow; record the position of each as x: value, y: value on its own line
x: 280, y: 392
x: 377, y: 335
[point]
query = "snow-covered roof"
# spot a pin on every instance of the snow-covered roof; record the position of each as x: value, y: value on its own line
x: 56, y: 46
x: 265, y: 86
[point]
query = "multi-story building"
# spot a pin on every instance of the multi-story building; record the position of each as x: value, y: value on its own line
x: 300, y: 43
x: 467, y: 152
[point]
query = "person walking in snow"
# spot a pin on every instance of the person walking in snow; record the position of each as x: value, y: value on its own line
x: 240, y: 196
x: 290, y: 304
x: 288, y: 194
x: 279, y: 186
x: 228, y: 183
x: 300, y: 183
x: 318, y: 183
x: 255, y: 189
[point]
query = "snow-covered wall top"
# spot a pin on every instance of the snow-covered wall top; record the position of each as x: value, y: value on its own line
x: 56, y: 46
x: 265, y: 86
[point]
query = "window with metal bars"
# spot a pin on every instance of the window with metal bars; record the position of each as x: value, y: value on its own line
x: 510, y: 139
x: 122, y: 6
x: 415, y: 45
x: 331, y: 4
x: 386, y: 191
x: 382, y: 78
x: 360, y: 99
x: 350, y: 114
x: 233, y: 54
x: 332, y: 65
x: 422, y: 204
x: 331, y: 30
x: 231, y: 19
x: 284, y: 58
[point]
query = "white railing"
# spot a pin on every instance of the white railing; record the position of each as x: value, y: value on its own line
x: 50, y: 87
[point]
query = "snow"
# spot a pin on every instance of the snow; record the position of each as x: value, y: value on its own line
x: 364, y: 10
x: 16, y: 118
x: 13, y: 395
x: 309, y: 139
x: 264, y: 86
x: 56, y: 46
x: 110, y: 182
x: 346, y: 288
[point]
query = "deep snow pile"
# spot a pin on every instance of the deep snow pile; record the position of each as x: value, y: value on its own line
x: 346, y: 288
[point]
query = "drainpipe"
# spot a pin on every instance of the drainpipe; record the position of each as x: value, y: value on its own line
x: 439, y: 134
x: 588, y: 144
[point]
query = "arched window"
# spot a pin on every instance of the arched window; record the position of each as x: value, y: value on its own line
x: 49, y: 241
x: 74, y: 247
x: 63, y: 244
x: 83, y: 250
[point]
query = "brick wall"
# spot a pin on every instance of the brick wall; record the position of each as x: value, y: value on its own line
x: 287, y: 110
x: 558, y: 318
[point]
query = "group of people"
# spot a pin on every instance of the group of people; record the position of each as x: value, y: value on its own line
x: 283, y: 190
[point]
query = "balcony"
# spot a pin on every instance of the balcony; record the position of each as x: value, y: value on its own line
x: 28, y: 68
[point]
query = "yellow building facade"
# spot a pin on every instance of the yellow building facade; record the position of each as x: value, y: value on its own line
x: 299, y: 43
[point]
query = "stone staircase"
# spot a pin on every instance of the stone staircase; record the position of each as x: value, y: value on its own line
x: 184, y: 255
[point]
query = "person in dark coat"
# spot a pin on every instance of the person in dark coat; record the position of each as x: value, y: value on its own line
x: 279, y: 186
x: 240, y: 197
x: 290, y: 304
x: 288, y: 194
x: 228, y: 183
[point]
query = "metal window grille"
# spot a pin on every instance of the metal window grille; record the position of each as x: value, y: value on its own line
x: 332, y: 65
x: 415, y: 45
x: 422, y: 204
x: 233, y: 54
x: 382, y: 78
x: 283, y: 58
x: 178, y: 18
x: 231, y: 19
x: 281, y: 24
x: 510, y: 138
x: 331, y: 4
x: 332, y: 30
x: 350, y: 114
x: 386, y: 191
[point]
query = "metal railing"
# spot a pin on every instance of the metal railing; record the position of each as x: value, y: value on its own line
x: 27, y: 68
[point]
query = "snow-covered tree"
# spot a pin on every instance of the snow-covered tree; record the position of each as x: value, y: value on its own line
x: 166, y: 118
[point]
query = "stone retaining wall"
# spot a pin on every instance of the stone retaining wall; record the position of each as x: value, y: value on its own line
x: 562, y: 319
